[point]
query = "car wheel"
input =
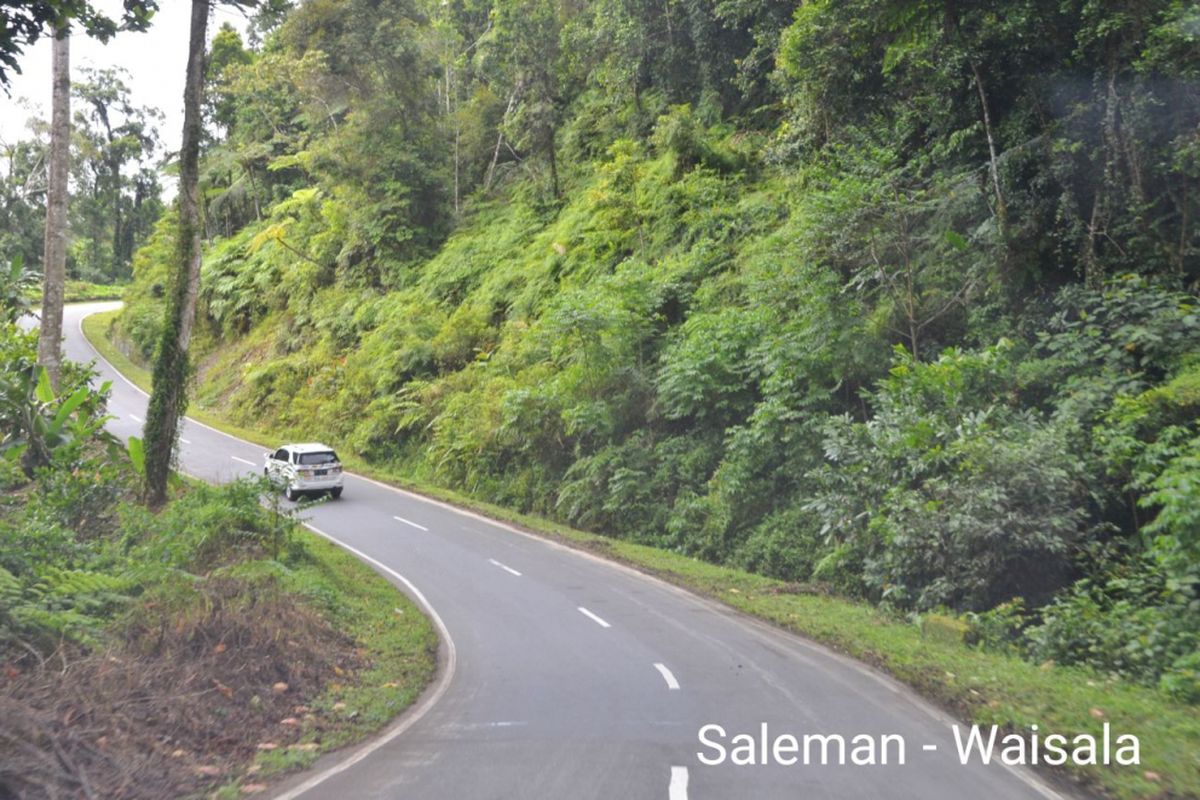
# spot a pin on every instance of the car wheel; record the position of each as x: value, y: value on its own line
x: 335, y: 493
x: 290, y: 493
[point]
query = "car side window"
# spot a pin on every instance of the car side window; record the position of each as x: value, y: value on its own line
x: 281, y: 454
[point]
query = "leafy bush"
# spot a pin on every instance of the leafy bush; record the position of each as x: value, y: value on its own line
x: 1133, y: 622
x: 682, y: 344
x: 948, y: 495
x: 16, y: 286
x: 999, y: 628
x: 1176, y: 528
x: 38, y: 425
x: 786, y: 544
x: 140, y: 321
x: 208, y: 525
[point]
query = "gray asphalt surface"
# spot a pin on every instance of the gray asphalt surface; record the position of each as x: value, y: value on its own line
x: 538, y: 699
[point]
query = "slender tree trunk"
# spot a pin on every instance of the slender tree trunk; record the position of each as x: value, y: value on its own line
x: 553, y: 166
x: 1181, y: 249
x: 1092, y: 275
x: 1106, y: 185
x: 55, y: 243
x: 253, y: 189
x: 118, y: 222
x: 168, y: 400
x: 491, y: 170
x: 993, y: 158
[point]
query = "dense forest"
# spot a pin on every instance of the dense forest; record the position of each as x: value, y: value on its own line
x: 116, y: 194
x: 890, y: 297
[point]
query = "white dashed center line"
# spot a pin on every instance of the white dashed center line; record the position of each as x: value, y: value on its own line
x: 667, y: 676
x: 136, y: 418
x: 185, y: 441
x: 504, y: 567
x: 593, y: 618
x: 410, y: 522
x: 679, y: 782
x: 242, y: 460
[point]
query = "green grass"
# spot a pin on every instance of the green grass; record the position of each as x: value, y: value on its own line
x: 83, y: 292
x: 977, y: 686
x: 96, y: 329
x: 395, y: 640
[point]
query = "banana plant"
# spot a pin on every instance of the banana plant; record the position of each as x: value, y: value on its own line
x: 16, y: 286
x: 35, y: 423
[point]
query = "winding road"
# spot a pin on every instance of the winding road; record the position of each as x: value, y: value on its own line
x: 567, y: 676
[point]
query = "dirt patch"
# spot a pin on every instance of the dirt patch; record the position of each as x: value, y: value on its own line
x: 202, y: 683
x: 805, y: 588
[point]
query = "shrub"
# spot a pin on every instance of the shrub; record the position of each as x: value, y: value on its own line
x: 948, y: 495
x: 786, y: 545
x: 1177, y: 527
x: 207, y: 526
x: 1131, y: 621
x: 999, y: 628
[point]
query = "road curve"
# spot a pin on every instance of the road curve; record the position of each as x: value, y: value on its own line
x: 567, y: 676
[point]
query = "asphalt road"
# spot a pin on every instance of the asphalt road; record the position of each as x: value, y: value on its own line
x: 566, y: 676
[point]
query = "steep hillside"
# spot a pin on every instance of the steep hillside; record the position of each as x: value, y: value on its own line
x: 893, y: 297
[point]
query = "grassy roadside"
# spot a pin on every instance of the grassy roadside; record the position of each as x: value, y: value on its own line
x: 981, y: 687
x: 84, y: 292
x: 394, y: 639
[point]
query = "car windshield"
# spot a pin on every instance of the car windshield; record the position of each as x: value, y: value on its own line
x: 326, y: 457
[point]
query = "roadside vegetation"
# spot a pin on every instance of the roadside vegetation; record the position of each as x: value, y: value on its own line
x: 201, y: 647
x: 940, y: 655
x: 115, y: 196
x: 893, y: 302
x: 84, y: 292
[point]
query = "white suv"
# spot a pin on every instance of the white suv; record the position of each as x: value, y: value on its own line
x: 302, y: 468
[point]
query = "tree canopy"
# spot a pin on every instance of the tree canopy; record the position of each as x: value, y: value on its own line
x: 23, y: 23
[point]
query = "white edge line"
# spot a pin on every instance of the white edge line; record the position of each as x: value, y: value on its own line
x: 99, y: 355
x: 667, y: 676
x: 764, y: 629
x: 410, y: 522
x: 143, y: 392
x: 679, y: 784
x: 244, y: 461
x: 504, y: 567
x: 412, y: 716
x: 593, y: 618
x: 185, y: 441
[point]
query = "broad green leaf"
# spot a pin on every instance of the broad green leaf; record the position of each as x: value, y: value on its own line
x: 137, y: 454
x: 44, y: 391
x: 956, y: 240
x: 67, y: 408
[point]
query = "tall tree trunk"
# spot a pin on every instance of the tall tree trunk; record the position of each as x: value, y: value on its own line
x: 249, y: 169
x: 118, y: 222
x: 553, y: 166
x: 491, y: 170
x: 1106, y: 185
x: 168, y: 400
x: 993, y: 158
x: 55, y: 242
